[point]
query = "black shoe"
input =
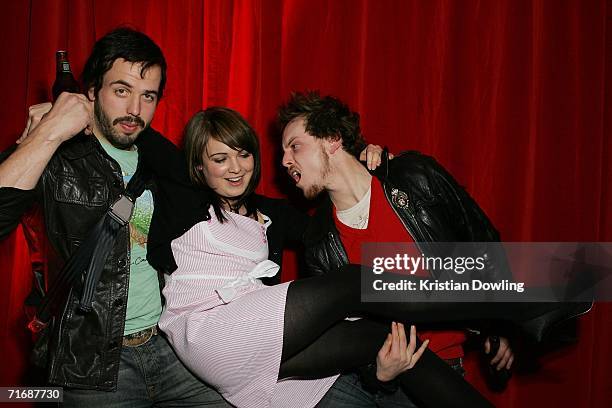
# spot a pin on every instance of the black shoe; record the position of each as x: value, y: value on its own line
x: 539, y: 328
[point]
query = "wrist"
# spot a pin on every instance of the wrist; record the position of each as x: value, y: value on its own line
x: 382, y: 377
x: 371, y: 383
x: 47, y: 133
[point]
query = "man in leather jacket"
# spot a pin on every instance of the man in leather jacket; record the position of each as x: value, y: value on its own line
x: 410, y: 198
x: 75, y: 158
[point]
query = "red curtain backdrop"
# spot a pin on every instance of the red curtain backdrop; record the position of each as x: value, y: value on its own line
x: 512, y: 96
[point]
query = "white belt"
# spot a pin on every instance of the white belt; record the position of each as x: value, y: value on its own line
x: 264, y: 269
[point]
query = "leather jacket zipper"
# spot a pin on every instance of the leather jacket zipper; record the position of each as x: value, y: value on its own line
x: 59, y: 319
x: 340, y: 254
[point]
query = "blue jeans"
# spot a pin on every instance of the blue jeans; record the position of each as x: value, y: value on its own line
x: 348, y: 393
x: 149, y: 375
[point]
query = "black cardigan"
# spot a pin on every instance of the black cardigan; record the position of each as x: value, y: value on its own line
x: 179, y: 205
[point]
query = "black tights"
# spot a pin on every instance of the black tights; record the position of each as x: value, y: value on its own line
x: 350, y: 344
x: 318, y: 342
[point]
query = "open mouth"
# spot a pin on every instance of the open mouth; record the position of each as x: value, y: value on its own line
x: 235, y: 181
x: 295, y: 175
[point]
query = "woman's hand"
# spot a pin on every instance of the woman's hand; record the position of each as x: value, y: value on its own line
x: 396, y: 355
x: 372, y: 155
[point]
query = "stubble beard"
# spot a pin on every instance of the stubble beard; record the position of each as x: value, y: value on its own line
x: 318, y: 187
x: 114, y: 137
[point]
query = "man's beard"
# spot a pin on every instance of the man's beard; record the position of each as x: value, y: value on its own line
x: 317, y: 187
x: 117, y: 139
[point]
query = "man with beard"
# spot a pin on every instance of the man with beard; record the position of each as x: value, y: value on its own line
x: 76, y: 158
x: 408, y: 199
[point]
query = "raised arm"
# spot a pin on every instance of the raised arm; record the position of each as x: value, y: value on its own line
x: 43, y: 135
x: 22, y: 167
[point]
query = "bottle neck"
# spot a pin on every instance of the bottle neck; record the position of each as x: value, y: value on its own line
x: 62, y: 64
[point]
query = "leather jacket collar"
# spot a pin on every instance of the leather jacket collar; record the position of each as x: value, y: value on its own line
x: 79, y: 146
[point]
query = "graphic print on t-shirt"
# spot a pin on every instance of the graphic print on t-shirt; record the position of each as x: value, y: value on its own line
x: 139, y: 224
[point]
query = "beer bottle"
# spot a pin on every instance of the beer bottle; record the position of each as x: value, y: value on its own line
x: 64, y: 80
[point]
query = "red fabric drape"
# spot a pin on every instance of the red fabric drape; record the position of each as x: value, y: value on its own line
x: 512, y: 96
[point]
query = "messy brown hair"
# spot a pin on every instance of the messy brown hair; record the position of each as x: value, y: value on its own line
x: 324, y: 117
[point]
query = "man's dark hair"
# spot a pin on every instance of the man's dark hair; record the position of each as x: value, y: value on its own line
x: 324, y: 117
x: 129, y: 44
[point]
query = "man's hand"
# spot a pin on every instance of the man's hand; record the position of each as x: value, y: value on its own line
x: 35, y: 114
x: 70, y: 114
x: 44, y: 133
x: 372, y: 155
x: 396, y: 355
x: 504, y: 356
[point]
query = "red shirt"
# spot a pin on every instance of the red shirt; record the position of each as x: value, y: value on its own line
x: 385, y: 226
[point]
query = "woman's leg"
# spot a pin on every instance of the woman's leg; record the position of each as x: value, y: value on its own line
x: 331, y: 352
x: 346, y: 345
x: 315, y: 304
x: 316, y: 345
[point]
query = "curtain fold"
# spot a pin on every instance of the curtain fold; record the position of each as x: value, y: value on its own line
x: 511, y: 96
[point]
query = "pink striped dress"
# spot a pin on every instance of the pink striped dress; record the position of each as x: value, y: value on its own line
x: 226, y: 325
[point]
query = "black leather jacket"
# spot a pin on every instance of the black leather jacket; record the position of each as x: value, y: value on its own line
x: 431, y: 206
x: 78, y: 185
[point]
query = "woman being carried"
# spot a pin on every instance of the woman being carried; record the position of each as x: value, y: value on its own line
x: 250, y: 340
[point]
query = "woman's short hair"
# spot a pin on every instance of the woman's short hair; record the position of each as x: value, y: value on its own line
x: 228, y: 127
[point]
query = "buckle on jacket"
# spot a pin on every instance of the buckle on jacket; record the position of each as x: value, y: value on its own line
x: 121, y: 210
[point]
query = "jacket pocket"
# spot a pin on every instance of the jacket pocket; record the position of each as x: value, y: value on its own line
x: 88, y: 191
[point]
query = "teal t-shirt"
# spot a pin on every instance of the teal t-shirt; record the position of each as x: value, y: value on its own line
x: 144, y: 300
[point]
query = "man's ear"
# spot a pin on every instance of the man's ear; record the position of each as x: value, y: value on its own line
x: 335, y: 143
x: 91, y: 95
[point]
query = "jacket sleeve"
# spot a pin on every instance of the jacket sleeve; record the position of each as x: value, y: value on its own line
x: 13, y: 202
x: 178, y: 203
x: 324, y: 251
x: 473, y: 224
x: 162, y: 158
x: 311, y: 266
